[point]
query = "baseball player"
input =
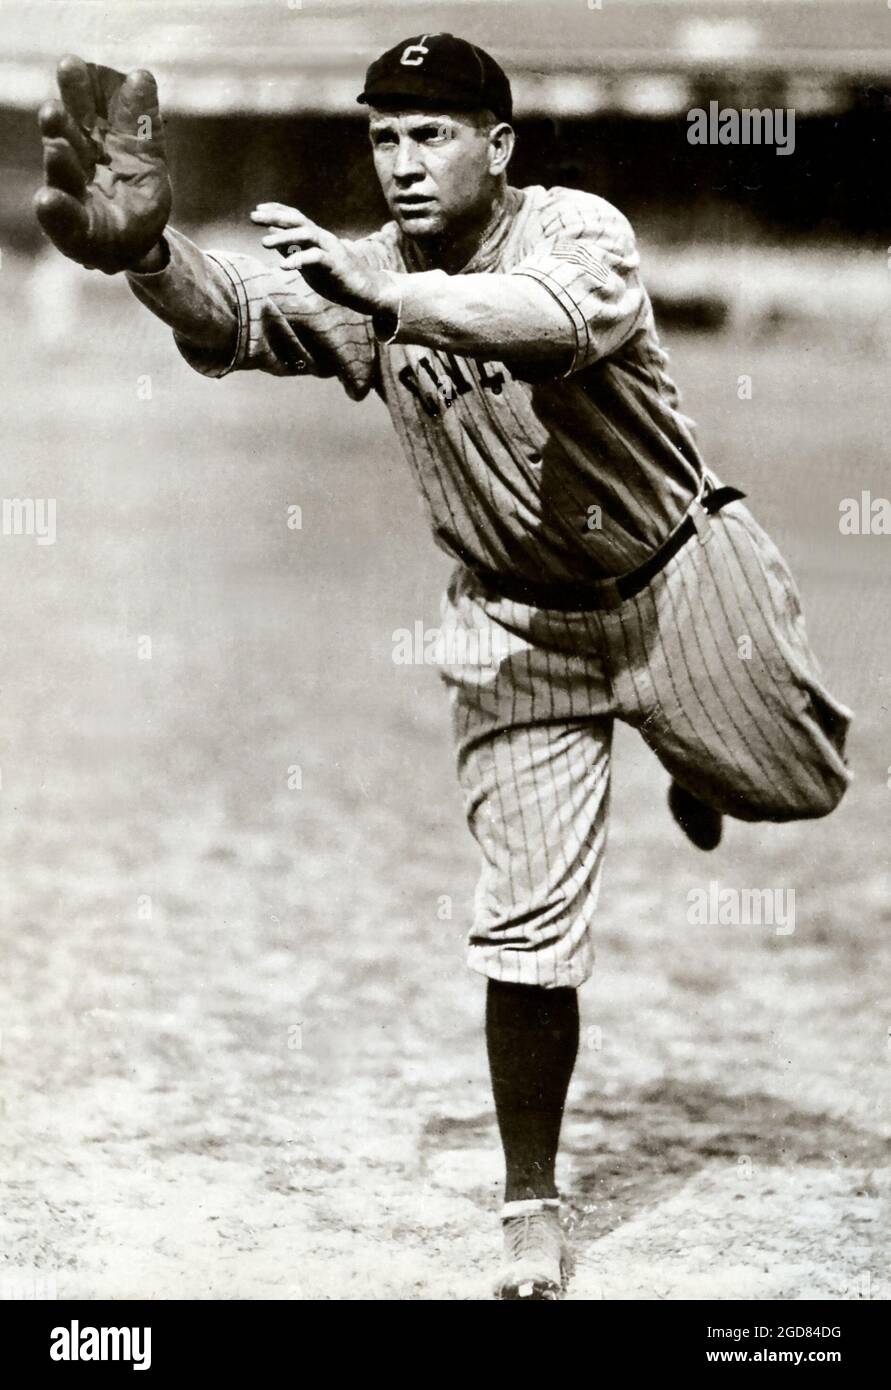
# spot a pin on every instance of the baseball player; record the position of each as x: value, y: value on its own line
x: 602, y: 571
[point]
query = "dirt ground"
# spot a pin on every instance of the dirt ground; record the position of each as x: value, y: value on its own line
x: 241, y: 1056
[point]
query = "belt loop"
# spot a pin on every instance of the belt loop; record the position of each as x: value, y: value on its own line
x: 701, y: 522
x: 610, y: 593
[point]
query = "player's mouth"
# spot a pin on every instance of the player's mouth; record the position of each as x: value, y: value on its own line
x: 415, y: 204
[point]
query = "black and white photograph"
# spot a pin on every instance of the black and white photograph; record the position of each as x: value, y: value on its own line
x: 445, y: 714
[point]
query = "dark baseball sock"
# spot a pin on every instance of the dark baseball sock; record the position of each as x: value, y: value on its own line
x: 532, y: 1036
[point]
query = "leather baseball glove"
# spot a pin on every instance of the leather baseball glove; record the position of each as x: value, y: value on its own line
x: 107, y: 195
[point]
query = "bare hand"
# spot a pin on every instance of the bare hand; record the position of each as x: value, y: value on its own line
x: 332, y: 267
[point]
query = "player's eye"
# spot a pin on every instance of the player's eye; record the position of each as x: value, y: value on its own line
x: 433, y: 134
x: 382, y: 137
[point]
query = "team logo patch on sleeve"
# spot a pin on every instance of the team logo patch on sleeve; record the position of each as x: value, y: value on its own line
x: 577, y: 254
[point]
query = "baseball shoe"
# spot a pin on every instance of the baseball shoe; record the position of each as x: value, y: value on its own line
x: 701, y: 823
x: 538, y: 1262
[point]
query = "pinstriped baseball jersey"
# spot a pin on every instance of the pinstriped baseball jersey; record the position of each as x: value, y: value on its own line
x: 513, y: 470
x: 571, y: 473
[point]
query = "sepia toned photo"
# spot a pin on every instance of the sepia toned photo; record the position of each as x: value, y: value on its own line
x: 446, y: 754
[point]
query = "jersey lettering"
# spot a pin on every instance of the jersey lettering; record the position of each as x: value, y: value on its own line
x: 447, y: 387
x: 410, y: 381
x: 493, y: 381
x: 456, y: 376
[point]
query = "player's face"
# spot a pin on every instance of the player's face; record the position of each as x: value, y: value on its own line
x: 437, y: 172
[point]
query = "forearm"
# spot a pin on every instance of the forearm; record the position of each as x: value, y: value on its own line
x: 500, y: 316
x: 191, y: 292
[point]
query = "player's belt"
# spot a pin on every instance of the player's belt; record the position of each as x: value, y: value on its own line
x: 577, y: 596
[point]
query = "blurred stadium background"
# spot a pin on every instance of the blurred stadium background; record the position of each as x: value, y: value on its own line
x: 600, y: 93
x: 240, y: 1055
x: 264, y: 90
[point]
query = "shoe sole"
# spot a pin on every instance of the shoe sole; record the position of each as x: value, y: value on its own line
x: 532, y: 1291
x: 538, y: 1290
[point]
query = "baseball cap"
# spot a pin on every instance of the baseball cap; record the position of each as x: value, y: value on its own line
x: 432, y: 70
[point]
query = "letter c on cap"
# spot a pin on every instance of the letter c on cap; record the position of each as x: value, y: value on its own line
x: 419, y: 52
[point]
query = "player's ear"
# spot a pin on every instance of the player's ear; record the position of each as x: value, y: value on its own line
x: 501, y: 146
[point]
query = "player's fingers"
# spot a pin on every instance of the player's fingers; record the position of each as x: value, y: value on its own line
x: 312, y: 255
x: 56, y: 122
x: 296, y: 236
x: 76, y: 89
x: 63, y: 169
x: 134, y: 109
x: 63, y: 218
x: 278, y: 215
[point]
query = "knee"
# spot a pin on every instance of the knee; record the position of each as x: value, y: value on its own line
x: 809, y: 791
x: 814, y: 796
x: 828, y: 793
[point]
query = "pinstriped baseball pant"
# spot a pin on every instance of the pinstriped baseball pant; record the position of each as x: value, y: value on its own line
x: 710, y: 662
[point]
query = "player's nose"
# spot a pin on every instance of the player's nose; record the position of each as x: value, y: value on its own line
x: 407, y: 163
